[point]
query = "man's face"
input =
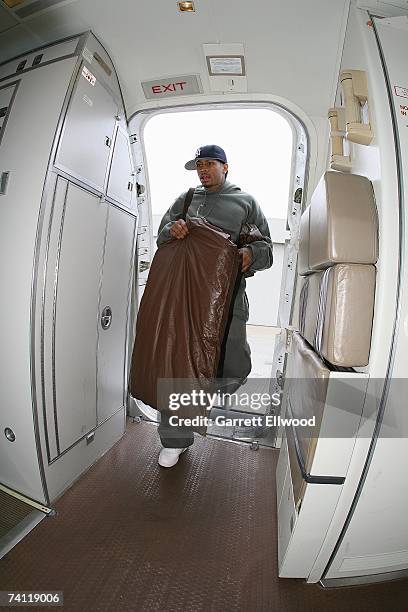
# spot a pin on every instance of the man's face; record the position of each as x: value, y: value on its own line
x: 211, y: 172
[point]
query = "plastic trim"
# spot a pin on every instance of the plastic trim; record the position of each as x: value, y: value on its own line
x: 10, y: 106
x: 307, y: 477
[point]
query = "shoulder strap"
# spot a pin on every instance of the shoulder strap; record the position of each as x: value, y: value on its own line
x: 187, y: 201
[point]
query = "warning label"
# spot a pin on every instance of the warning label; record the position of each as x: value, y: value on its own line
x: 402, y: 92
x: 87, y: 74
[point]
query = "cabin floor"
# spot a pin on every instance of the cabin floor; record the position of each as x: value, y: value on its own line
x: 129, y: 535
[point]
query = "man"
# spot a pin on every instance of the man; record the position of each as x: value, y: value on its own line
x: 224, y: 205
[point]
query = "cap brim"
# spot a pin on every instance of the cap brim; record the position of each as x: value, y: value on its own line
x: 191, y: 165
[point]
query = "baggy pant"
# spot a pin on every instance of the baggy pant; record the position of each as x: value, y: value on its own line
x: 235, y: 365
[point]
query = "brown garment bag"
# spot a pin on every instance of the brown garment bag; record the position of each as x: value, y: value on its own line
x: 182, y: 316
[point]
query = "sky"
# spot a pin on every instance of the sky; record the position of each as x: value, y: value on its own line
x: 258, y: 144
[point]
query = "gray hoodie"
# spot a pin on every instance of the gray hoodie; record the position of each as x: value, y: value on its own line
x: 229, y: 208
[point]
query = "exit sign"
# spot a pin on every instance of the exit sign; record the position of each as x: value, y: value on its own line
x: 186, y: 85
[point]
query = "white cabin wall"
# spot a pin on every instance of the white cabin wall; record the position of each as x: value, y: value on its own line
x: 283, y: 42
x: 376, y: 538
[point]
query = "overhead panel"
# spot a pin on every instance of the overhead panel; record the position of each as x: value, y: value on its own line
x: 23, y: 9
x: 384, y: 8
x: 6, y: 19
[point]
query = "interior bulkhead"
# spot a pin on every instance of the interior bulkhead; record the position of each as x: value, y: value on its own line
x: 315, y: 489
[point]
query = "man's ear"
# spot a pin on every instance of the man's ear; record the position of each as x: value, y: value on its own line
x: 225, y: 168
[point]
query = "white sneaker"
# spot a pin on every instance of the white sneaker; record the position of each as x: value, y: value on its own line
x: 169, y: 456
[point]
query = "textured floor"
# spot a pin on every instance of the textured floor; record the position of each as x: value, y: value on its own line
x: 130, y: 536
x: 13, y: 511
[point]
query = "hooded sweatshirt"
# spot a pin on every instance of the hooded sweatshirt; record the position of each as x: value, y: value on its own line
x: 229, y: 208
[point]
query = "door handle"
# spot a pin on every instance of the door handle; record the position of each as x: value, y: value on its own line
x: 4, y: 179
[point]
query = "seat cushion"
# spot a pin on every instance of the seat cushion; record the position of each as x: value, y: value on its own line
x: 336, y: 313
x: 343, y: 221
x: 345, y: 314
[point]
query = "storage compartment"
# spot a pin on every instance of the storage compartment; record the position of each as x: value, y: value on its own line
x: 113, y: 312
x: 87, y: 138
x: 62, y: 375
x: 24, y: 154
x: 302, y: 533
x: 49, y: 54
x: 75, y: 339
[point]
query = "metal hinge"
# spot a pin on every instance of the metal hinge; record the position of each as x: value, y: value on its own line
x: 280, y: 379
x: 288, y: 340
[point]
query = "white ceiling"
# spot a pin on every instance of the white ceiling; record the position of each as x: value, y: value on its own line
x: 291, y: 47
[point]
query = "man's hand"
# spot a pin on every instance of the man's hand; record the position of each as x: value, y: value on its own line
x: 246, y: 258
x: 179, y: 229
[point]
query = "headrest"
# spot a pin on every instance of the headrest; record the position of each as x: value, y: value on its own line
x: 343, y: 226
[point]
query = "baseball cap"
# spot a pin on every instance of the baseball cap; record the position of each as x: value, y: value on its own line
x: 207, y: 152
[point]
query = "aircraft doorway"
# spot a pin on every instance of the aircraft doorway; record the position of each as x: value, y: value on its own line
x: 261, y: 145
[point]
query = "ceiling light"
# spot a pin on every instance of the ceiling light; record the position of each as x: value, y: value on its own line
x: 11, y: 3
x: 186, y: 7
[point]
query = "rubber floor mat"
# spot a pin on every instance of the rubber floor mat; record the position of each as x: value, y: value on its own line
x: 201, y: 536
